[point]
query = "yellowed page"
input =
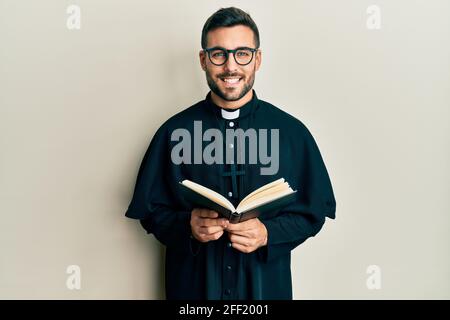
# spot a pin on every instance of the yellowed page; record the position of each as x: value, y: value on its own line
x: 264, y: 187
x: 210, y: 194
x: 264, y: 200
x: 264, y: 193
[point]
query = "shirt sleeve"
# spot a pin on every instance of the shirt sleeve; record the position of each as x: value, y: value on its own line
x: 315, y: 201
x: 154, y: 199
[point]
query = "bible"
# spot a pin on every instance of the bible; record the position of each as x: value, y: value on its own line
x: 270, y: 197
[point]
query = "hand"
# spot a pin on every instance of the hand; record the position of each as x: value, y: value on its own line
x: 206, y: 226
x: 247, y: 236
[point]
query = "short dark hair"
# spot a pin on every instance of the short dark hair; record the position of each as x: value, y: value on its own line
x: 229, y: 17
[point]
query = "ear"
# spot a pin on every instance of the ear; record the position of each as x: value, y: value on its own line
x: 202, y: 57
x: 258, y: 59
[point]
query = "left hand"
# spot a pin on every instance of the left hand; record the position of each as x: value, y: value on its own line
x: 247, y: 236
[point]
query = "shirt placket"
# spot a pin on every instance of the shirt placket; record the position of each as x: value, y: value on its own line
x: 230, y: 258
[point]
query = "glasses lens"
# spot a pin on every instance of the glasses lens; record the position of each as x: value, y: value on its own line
x: 244, y: 56
x: 218, y: 56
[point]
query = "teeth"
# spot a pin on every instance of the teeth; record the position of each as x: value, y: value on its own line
x: 231, y: 80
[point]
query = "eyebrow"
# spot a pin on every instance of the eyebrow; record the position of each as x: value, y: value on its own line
x: 219, y: 47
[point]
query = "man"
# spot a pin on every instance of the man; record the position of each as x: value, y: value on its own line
x: 206, y: 256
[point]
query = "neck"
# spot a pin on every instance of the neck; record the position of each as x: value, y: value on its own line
x: 231, y: 104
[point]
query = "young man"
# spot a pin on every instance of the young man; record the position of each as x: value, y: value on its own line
x: 206, y: 256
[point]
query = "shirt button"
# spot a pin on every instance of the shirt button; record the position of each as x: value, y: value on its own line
x: 231, y: 145
x: 230, y: 194
x: 229, y: 244
x: 229, y: 268
x: 231, y: 124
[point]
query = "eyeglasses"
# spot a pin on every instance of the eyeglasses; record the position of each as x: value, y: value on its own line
x: 219, y: 56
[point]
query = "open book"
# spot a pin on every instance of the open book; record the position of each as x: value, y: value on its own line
x: 270, y: 197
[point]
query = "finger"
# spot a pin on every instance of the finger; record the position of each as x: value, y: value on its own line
x: 206, y: 222
x: 197, y: 212
x: 209, y: 230
x: 247, y: 233
x: 244, y: 241
x: 208, y: 214
x: 242, y: 248
x: 200, y: 212
x: 214, y: 236
x: 242, y: 226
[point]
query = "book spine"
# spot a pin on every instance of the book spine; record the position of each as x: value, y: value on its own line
x: 234, y: 217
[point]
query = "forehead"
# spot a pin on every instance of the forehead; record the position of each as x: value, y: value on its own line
x: 231, y: 37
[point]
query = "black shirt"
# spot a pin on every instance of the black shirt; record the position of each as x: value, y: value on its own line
x: 215, y: 270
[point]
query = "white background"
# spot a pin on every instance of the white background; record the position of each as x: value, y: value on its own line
x: 78, y: 109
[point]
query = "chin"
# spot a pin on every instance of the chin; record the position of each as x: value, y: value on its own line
x: 233, y: 91
x: 231, y: 97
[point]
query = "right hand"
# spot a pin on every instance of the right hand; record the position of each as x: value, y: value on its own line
x: 206, y: 225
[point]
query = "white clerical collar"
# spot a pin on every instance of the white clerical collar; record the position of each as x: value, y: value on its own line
x: 230, y: 115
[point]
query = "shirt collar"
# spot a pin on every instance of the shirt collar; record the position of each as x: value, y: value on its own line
x: 230, y: 114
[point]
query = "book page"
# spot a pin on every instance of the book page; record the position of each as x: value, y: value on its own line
x: 264, y: 187
x: 261, y: 201
x: 210, y: 194
x: 265, y: 193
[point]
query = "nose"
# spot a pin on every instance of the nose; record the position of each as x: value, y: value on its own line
x: 231, y: 65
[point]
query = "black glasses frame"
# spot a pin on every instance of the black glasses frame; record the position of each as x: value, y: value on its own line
x: 227, y: 52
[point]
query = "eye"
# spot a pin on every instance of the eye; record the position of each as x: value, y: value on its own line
x: 218, y: 54
x: 243, y: 53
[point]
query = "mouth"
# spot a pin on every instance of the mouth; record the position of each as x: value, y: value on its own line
x: 231, y: 81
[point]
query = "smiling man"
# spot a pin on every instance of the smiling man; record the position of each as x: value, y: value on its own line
x: 206, y: 256
x: 230, y: 80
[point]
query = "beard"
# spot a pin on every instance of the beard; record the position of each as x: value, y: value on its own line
x: 230, y: 96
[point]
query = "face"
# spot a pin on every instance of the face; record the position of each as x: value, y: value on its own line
x: 231, y: 81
